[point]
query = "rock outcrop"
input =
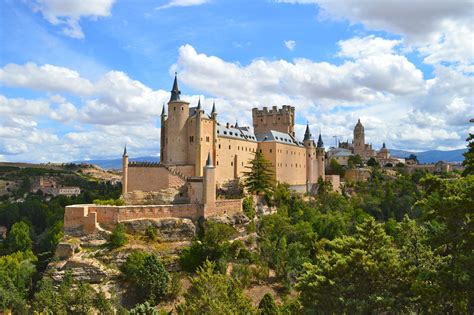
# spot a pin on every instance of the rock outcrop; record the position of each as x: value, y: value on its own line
x: 168, y: 230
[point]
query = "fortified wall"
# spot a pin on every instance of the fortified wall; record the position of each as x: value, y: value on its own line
x: 89, y: 218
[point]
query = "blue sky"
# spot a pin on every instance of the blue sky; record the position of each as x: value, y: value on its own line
x: 79, y: 79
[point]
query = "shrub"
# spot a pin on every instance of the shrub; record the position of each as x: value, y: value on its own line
x: 267, y: 305
x: 151, y: 233
x: 248, y: 208
x: 118, y: 237
x: 243, y: 274
x: 148, y: 275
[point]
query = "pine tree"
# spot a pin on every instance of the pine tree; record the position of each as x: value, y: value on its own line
x: 469, y: 157
x: 260, y: 177
x: 267, y: 305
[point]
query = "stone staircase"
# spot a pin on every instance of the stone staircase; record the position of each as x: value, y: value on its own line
x: 174, y: 171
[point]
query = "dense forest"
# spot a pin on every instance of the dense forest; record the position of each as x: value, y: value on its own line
x: 394, y: 244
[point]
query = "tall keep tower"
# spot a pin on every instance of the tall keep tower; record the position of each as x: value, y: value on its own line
x: 282, y: 120
x: 359, y: 139
x: 176, y: 149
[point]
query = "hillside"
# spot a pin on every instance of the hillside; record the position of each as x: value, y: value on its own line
x: 433, y: 156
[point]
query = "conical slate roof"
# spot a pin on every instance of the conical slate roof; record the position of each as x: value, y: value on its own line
x: 320, y: 141
x: 175, y: 92
x: 307, y: 134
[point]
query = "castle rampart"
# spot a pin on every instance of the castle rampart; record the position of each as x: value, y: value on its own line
x: 88, y: 219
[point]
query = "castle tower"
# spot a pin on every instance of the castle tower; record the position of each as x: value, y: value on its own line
x: 198, y: 134
x: 176, y: 148
x: 209, y: 183
x: 163, y: 135
x: 282, y: 120
x: 214, y: 130
x: 359, y: 139
x: 124, y: 171
x: 309, y: 145
x: 320, y: 155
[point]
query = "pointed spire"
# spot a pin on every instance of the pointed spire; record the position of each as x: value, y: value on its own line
x: 383, y: 146
x: 320, y: 141
x: 175, y: 92
x: 209, y: 160
x: 125, y: 151
x: 199, y: 105
x: 307, y: 134
x: 213, y: 112
x: 163, y: 112
x: 236, y: 123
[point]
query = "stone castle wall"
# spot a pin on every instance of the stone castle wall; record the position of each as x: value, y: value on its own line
x: 86, y: 219
x: 152, y: 178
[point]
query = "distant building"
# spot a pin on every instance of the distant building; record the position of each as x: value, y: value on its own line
x: 340, y: 155
x: 49, y: 187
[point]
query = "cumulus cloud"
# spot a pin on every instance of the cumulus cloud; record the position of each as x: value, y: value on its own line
x: 45, y: 78
x: 68, y: 13
x: 182, y: 3
x: 290, y: 44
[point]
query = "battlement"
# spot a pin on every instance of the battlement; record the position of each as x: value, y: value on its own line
x: 278, y: 119
x: 144, y: 164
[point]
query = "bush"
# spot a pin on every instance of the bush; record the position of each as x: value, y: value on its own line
x: 118, y: 237
x: 243, y: 274
x: 267, y: 305
x: 151, y: 233
x: 148, y: 275
x: 248, y: 208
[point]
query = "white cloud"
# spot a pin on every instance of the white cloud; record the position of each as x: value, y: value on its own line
x: 45, y: 78
x: 358, y: 47
x: 182, y: 3
x: 290, y: 44
x: 68, y: 13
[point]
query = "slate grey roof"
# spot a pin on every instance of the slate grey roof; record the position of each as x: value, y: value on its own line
x: 339, y: 152
x: 278, y: 137
x: 242, y: 133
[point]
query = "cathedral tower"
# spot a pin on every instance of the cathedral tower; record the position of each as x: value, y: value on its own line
x: 359, y: 139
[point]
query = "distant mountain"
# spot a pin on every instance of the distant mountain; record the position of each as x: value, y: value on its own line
x: 432, y: 156
x: 117, y: 163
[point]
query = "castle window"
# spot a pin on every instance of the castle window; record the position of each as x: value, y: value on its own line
x: 231, y: 133
x: 217, y: 162
x: 231, y: 163
x: 238, y: 148
x: 191, y: 139
x: 260, y: 150
x: 182, y: 108
x: 229, y: 146
x: 225, y: 132
x: 174, y: 109
x: 261, y: 120
x: 242, y: 163
x: 218, y: 132
x: 219, y: 146
x: 270, y: 150
x: 207, y: 139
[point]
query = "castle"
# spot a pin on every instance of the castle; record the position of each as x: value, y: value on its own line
x: 198, y: 154
x: 189, y: 136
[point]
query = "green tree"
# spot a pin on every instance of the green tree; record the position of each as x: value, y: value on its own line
x: 469, y: 157
x: 118, y: 237
x: 355, y: 160
x: 359, y: 274
x: 448, y: 205
x: 212, y: 244
x: 372, y: 162
x: 18, y: 239
x: 267, y: 305
x: 335, y: 168
x: 260, y: 177
x: 214, y: 293
x: 16, y: 272
x: 148, y: 275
